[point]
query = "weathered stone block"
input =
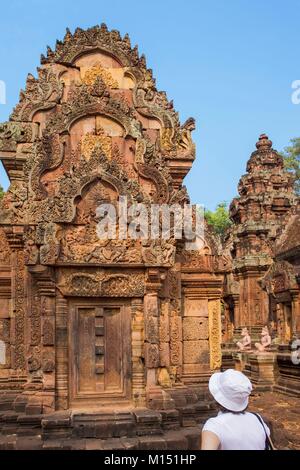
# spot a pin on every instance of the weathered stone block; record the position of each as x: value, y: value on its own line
x: 194, y: 351
x: 152, y: 331
x: 152, y: 355
x: 176, y: 353
x: 130, y: 443
x: 151, y: 305
x: 170, y: 419
x: 152, y: 443
x: 164, y: 328
x: 113, y: 444
x: 148, y: 422
x: 176, y: 441
x: 193, y: 437
x: 195, y: 307
x: 32, y: 443
x: 195, y: 328
x: 164, y: 354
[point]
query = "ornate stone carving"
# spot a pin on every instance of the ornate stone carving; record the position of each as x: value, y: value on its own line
x: 151, y: 330
x: 41, y: 94
x: 93, y: 73
x: 13, y: 133
x: 173, y: 282
x: 13, y: 203
x: 215, y: 333
x: 175, y: 341
x: 4, y: 249
x: 35, y: 319
x: 167, y: 139
x: 48, y: 362
x: 20, y: 312
x: 138, y: 363
x: 184, y: 139
x: 280, y: 277
x: 91, y: 141
x: 31, y: 250
x: 164, y: 323
x: 260, y: 213
x: 34, y: 363
x: 98, y: 37
x: 101, y: 284
x: 152, y: 355
x: 92, y: 127
x: 48, y: 333
x: 160, y: 253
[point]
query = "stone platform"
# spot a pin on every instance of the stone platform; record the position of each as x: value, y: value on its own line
x: 185, y: 439
x: 132, y: 429
x: 272, y: 370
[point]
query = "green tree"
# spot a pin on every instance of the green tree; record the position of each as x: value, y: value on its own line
x: 219, y: 219
x: 291, y: 156
x: 1, y: 192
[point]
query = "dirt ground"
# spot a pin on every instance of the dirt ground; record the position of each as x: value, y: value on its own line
x: 282, y: 413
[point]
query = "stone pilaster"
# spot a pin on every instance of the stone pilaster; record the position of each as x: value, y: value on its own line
x: 202, y: 333
x: 138, y: 364
x: 156, y: 397
x: 62, y: 353
x: 215, y: 333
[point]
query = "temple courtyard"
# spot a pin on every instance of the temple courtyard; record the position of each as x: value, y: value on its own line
x: 283, y: 416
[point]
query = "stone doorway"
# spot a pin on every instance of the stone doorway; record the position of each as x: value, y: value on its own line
x: 99, y: 354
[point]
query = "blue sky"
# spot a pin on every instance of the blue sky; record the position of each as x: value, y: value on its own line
x: 228, y: 63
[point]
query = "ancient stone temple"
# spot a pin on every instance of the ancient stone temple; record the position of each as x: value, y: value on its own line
x: 260, y: 213
x: 102, y: 338
x: 108, y: 343
x: 282, y: 284
x: 262, y: 288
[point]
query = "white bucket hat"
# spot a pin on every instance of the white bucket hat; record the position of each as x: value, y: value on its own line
x: 231, y: 389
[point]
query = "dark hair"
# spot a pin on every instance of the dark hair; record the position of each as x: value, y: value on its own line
x: 221, y: 408
x: 225, y: 410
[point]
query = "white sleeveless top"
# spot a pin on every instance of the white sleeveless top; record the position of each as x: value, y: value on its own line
x: 242, y: 431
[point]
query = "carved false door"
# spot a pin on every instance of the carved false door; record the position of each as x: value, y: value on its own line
x: 287, y: 322
x: 100, y: 352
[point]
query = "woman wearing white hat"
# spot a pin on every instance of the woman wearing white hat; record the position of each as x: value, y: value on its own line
x: 234, y: 428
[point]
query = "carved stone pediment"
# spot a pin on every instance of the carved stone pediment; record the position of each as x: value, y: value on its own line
x: 91, y: 127
x: 280, y: 277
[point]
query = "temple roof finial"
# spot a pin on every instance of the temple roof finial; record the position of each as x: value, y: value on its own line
x: 264, y: 143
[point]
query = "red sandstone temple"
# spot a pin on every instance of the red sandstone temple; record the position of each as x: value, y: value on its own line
x: 116, y: 339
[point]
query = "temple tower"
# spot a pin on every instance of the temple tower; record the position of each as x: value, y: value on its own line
x: 260, y: 213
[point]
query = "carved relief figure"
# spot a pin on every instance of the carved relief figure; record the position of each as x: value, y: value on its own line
x: 245, y: 342
x: 265, y: 341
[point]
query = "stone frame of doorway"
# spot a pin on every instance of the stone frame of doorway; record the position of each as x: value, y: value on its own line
x: 138, y: 376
